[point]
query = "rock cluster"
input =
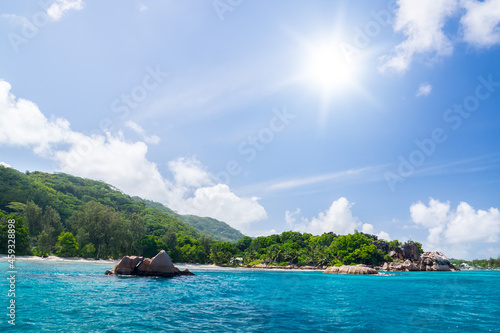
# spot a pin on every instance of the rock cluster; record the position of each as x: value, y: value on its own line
x: 409, y: 251
x: 429, y: 261
x: 265, y: 266
x: 159, y: 265
x: 344, y: 269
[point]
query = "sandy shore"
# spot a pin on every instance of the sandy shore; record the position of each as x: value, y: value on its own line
x: 191, y: 267
x: 54, y: 258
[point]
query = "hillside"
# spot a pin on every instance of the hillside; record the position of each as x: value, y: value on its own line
x: 215, y: 229
x: 69, y: 216
x: 66, y: 194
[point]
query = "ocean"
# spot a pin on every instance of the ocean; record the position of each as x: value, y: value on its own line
x: 73, y: 296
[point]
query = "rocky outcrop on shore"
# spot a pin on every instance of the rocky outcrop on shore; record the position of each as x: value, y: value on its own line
x: 429, y: 261
x: 159, y: 265
x: 356, y: 270
x: 265, y: 266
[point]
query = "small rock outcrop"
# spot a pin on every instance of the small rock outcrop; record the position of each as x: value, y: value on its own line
x: 429, y: 261
x: 409, y: 251
x: 435, y: 261
x: 159, y: 265
x: 356, y: 270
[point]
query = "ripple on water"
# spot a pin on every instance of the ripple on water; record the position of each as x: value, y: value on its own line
x: 78, y: 297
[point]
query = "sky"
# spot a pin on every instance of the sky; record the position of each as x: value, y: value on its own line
x: 313, y: 116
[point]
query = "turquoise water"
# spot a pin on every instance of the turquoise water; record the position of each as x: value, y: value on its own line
x: 78, y: 297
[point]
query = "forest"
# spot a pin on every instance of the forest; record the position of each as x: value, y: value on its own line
x: 67, y: 216
x: 491, y: 263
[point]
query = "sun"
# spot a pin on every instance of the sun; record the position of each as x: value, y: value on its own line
x: 328, y: 68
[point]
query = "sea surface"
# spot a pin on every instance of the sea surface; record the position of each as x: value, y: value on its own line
x: 66, y: 296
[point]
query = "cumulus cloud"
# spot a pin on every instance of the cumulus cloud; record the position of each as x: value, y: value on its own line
x: 456, y: 228
x: 423, y: 90
x: 153, y: 139
x: 480, y: 22
x: 5, y: 165
x: 57, y: 10
x: 384, y: 235
x: 24, y: 125
x: 218, y: 201
x: 338, y: 219
x: 122, y: 163
x: 422, y: 24
x: 290, y: 217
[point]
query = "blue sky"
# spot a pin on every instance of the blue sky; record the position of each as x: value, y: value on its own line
x: 314, y: 116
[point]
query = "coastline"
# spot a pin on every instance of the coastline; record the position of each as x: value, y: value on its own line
x: 189, y: 265
x: 62, y: 259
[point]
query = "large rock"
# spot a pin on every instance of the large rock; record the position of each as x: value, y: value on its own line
x: 356, y: 270
x: 383, y: 246
x: 435, y: 261
x: 162, y: 264
x: 159, y: 265
x: 429, y: 261
x: 127, y: 265
x: 411, y: 252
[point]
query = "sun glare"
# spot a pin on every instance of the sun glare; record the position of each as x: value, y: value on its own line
x: 328, y: 69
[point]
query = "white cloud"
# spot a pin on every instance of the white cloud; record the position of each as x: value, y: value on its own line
x: 384, y: 235
x: 367, y: 228
x: 338, y: 219
x: 424, y: 89
x: 219, y: 202
x: 266, y: 233
x: 456, y: 229
x: 23, y: 124
x: 122, y: 163
x: 480, y: 23
x: 422, y: 23
x: 290, y: 217
x: 57, y: 10
x: 341, y: 175
x: 153, y: 139
x: 142, y: 7
x: 5, y: 165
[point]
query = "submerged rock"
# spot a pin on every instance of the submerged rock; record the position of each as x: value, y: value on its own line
x: 356, y: 270
x: 159, y: 265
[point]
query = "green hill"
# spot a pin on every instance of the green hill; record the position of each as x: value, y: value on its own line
x: 215, y: 229
x: 72, y: 197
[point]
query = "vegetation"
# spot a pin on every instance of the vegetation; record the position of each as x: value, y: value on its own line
x: 478, y: 263
x: 63, y: 215
x: 104, y: 222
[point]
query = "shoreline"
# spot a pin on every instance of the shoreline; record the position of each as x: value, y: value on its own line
x: 192, y: 265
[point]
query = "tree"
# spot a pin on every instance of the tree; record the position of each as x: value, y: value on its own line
x: 244, y: 243
x: 51, y: 218
x: 151, y: 245
x: 45, y: 241
x: 22, y: 241
x: 67, y: 245
x: 222, y: 253
x: 88, y: 251
x: 33, y: 218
